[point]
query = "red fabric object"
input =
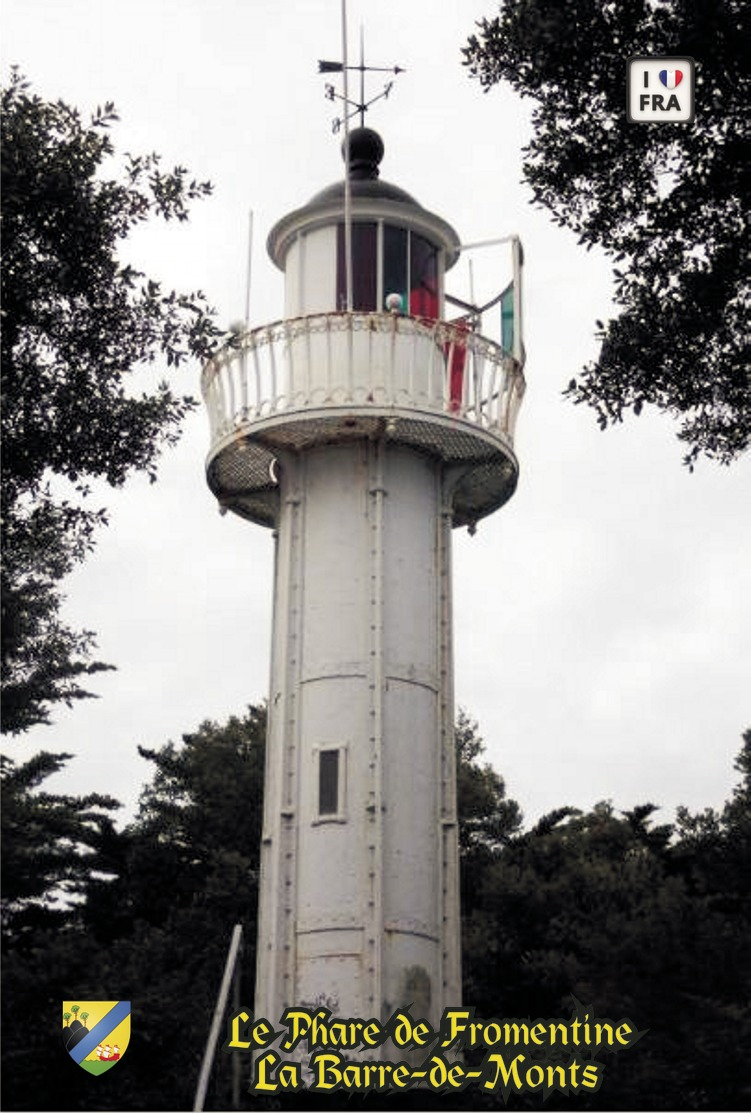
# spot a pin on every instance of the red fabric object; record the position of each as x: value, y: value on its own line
x: 423, y: 303
x: 456, y: 354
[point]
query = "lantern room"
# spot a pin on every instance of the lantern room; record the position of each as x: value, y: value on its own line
x: 364, y: 350
x: 399, y: 251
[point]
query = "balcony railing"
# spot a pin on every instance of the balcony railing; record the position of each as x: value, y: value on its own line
x: 362, y: 361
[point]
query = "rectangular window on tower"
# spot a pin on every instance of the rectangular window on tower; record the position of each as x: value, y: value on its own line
x: 331, y: 783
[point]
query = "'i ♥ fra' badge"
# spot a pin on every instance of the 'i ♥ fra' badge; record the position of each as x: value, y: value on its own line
x: 660, y: 90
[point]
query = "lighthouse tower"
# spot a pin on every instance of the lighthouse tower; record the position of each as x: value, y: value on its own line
x: 361, y: 436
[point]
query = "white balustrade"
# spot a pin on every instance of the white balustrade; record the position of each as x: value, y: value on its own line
x: 362, y: 360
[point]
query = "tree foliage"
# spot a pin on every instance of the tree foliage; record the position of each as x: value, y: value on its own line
x: 52, y: 846
x: 154, y: 928
x: 195, y: 843
x: 78, y: 324
x: 668, y: 202
x: 487, y: 818
x: 636, y: 919
x: 189, y: 873
x: 633, y: 917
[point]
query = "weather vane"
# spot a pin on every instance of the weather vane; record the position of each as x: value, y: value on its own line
x: 351, y: 107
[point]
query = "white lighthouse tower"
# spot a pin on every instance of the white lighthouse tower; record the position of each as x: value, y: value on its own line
x: 361, y: 436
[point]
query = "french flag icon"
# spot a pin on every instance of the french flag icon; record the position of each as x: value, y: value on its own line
x: 671, y: 79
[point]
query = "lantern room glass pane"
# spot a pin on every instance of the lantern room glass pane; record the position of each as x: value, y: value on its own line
x: 409, y: 268
x: 423, y: 293
x: 364, y: 267
x: 395, y: 261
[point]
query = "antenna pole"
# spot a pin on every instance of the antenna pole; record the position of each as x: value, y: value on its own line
x: 248, y: 273
x: 236, y: 1061
x: 518, y: 258
x: 221, y: 1004
x: 347, y: 189
x: 478, y: 323
x: 362, y: 77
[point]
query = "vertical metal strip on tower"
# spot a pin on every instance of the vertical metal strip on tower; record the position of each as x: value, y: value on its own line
x: 376, y: 682
x: 294, y: 774
x: 449, y: 922
x: 277, y: 959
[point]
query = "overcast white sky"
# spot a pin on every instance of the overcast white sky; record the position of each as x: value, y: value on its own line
x: 602, y: 616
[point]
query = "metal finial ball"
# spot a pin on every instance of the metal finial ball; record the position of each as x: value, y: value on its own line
x: 365, y: 152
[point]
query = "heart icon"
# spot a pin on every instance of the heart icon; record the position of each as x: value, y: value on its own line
x: 671, y: 79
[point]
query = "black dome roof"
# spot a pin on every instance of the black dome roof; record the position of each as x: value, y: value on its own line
x: 370, y: 187
x: 369, y: 195
x: 366, y: 151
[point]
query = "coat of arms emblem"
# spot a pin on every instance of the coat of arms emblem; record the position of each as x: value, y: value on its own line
x: 96, y: 1033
